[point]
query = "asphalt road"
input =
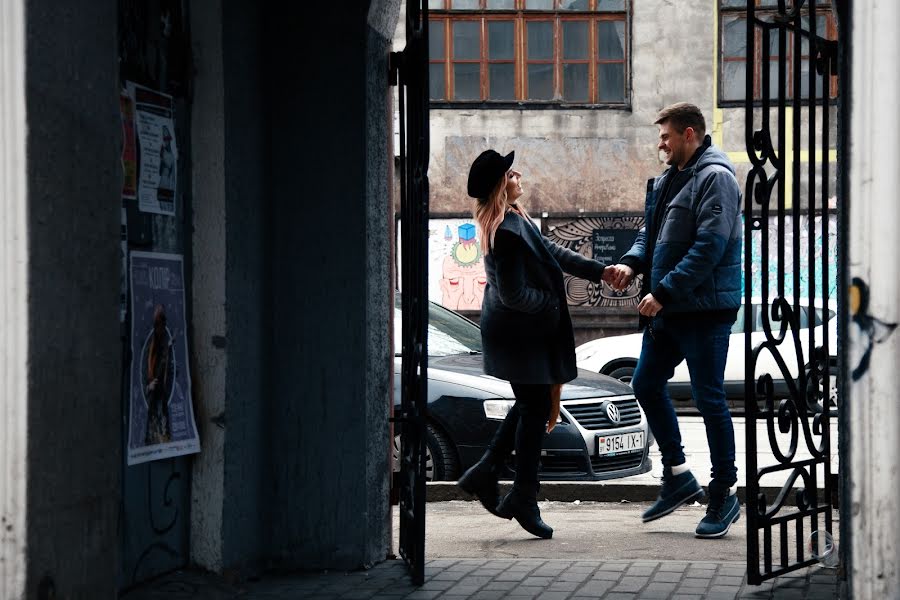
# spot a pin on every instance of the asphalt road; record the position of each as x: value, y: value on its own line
x: 582, y: 531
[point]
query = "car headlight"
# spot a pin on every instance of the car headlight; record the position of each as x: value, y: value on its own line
x: 497, y: 409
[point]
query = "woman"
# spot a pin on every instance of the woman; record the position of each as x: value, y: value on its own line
x: 526, y: 334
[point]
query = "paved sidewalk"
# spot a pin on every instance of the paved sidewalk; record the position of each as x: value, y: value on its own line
x: 487, y: 579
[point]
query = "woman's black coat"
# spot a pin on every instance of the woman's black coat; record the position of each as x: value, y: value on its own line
x: 526, y: 330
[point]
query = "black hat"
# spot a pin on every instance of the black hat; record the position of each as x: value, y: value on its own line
x: 486, y: 171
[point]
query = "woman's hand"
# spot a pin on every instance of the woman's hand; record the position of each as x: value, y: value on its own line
x: 555, y: 394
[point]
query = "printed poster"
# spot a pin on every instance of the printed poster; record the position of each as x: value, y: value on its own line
x: 161, y: 423
x: 154, y: 121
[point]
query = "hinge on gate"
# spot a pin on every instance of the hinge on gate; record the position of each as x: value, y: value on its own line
x: 395, y: 61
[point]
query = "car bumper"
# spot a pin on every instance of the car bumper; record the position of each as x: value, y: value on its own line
x: 569, y: 452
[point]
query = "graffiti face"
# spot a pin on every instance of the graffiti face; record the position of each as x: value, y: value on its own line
x: 462, y: 286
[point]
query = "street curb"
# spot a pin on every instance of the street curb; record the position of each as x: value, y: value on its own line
x: 569, y: 491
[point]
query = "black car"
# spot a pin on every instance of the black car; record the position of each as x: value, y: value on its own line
x: 602, y: 432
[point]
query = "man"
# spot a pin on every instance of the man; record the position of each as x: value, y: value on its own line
x: 689, y: 252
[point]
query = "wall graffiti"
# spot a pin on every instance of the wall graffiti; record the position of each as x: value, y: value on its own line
x: 456, y: 277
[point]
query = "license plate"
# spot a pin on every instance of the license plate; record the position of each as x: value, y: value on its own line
x: 610, y: 445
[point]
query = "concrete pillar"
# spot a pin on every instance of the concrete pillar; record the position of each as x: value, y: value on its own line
x: 231, y: 287
x: 13, y: 300
x: 329, y: 172
x: 209, y: 298
x: 874, y: 258
x: 61, y: 435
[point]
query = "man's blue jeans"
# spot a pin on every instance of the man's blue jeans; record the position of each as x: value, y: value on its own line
x: 705, y: 348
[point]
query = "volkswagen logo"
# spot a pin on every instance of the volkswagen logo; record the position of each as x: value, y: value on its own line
x: 612, y: 411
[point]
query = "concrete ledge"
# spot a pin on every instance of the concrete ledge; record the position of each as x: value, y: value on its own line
x: 569, y: 491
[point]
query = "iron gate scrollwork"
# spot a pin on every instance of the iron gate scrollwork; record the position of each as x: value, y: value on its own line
x: 409, y: 72
x: 788, y: 529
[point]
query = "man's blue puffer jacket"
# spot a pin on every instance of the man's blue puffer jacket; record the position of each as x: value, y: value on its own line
x: 696, y: 263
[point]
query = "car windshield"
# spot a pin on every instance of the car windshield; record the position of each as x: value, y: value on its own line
x: 448, y: 333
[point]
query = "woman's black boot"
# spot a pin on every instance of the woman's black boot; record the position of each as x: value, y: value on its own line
x: 521, y: 504
x: 481, y: 480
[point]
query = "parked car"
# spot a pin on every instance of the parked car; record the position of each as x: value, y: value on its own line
x: 617, y: 356
x: 601, y: 433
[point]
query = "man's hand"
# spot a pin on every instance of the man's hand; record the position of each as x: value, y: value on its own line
x: 649, y: 306
x: 554, y: 413
x: 619, y: 276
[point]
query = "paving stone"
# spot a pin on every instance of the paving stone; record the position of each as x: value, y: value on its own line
x: 359, y: 595
x: 723, y: 592
x: 817, y: 591
x: 501, y: 585
x: 537, y: 581
x: 555, y: 596
x: 423, y: 595
x: 630, y: 584
x: 673, y: 567
x: 701, y: 582
x: 476, y: 580
x: 724, y: 580
x: 606, y: 575
x: 446, y: 576
x: 614, y: 566
x: 511, y: 576
x: 594, y: 589
x: 666, y: 577
x: 564, y: 586
x: 661, y: 587
x: 526, y: 590
x: 639, y: 571
x: 482, y: 572
x: 463, y: 589
x: 680, y: 596
x: 651, y: 595
x: 619, y: 596
x: 437, y: 584
x: 486, y: 595
x: 572, y: 576
x: 706, y: 574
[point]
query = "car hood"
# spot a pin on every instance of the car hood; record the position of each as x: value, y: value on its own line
x: 468, y: 370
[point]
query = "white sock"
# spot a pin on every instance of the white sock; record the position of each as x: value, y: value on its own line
x: 679, y: 469
x: 732, y: 490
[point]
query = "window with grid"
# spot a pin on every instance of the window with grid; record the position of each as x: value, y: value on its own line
x: 529, y: 51
x: 733, y: 56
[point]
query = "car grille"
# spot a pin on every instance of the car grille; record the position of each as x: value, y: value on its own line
x: 592, y: 415
x: 562, y: 464
x: 605, y: 464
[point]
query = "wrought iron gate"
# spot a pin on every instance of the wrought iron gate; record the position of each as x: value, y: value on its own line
x: 409, y: 72
x: 791, y: 527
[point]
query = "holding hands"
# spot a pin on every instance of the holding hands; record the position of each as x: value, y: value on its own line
x: 618, y: 276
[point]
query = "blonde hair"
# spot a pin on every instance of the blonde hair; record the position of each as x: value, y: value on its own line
x: 490, y: 212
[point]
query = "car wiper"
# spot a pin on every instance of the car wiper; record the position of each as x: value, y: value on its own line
x: 474, y: 352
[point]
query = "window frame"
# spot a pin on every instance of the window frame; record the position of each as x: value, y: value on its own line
x: 726, y: 12
x: 520, y: 17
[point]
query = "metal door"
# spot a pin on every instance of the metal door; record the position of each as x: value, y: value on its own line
x: 787, y: 264
x: 409, y: 72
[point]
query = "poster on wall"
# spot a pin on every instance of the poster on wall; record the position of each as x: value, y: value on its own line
x: 123, y: 273
x: 129, y: 145
x: 154, y: 122
x: 161, y: 423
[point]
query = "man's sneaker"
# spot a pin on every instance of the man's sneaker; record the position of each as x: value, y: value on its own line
x: 676, y: 490
x: 723, y: 510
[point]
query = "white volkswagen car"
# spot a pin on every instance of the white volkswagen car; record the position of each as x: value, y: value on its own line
x: 617, y: 356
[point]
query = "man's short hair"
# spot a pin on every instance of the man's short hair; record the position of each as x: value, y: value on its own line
x: 681, y: 116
